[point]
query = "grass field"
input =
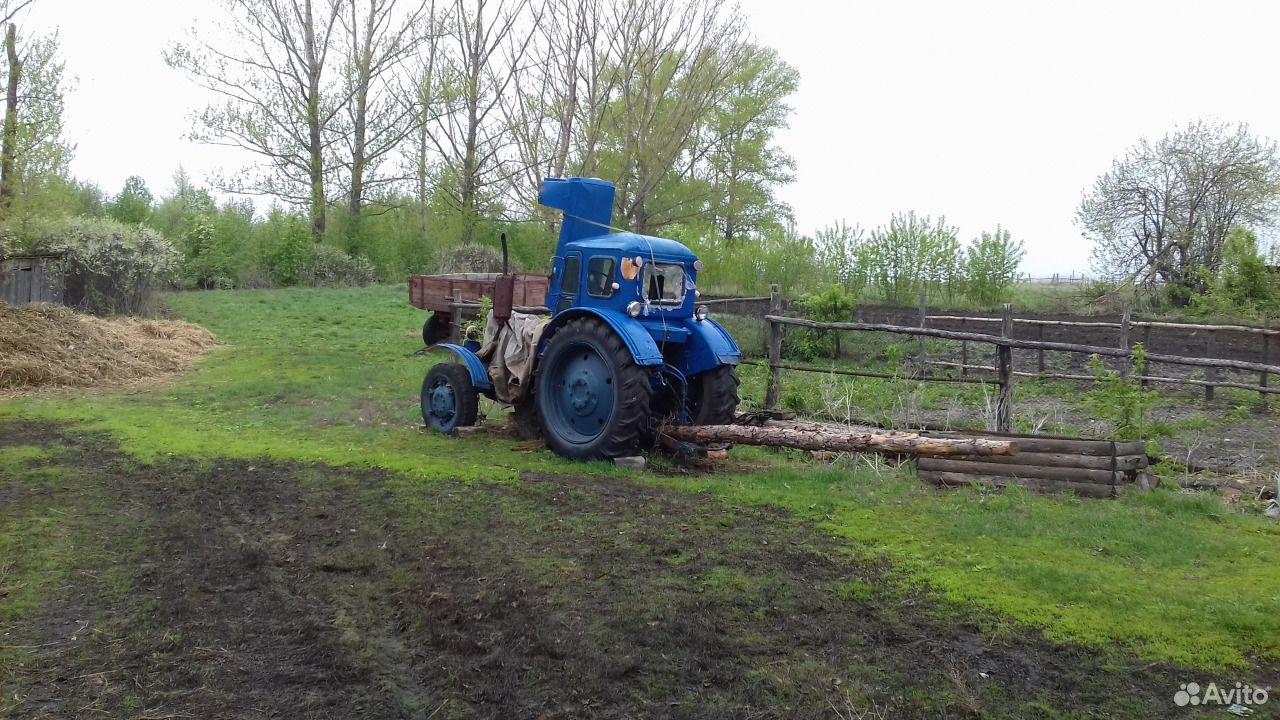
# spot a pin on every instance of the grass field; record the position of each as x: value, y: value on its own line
x: 314, y: 393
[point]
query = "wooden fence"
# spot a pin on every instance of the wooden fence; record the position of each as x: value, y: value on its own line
x: 1005, y: 343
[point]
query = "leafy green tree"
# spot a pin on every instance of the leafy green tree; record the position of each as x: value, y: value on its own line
x: 911, y: 254
x: 1164, y: 210
x: 840, y: 249
x: 1243, y: 285
x: 991, y: 265
x: 133, y: 205
x: 745, y: 166
x: 38, y: 187
x: 830, y: 304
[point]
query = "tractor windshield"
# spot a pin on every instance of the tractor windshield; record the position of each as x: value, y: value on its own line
x: 664, y: 284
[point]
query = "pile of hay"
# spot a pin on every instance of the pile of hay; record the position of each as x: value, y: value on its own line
x: 51, y: 346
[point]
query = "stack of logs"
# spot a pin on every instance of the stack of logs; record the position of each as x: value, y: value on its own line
x: 1091, y: 468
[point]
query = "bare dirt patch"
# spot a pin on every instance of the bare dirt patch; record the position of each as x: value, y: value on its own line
x: 261, y: 590
x: 49, y: 347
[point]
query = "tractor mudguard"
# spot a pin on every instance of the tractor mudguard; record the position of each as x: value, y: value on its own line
x: 637, y: 339
x: 475, y: 366
x: 709, y: 346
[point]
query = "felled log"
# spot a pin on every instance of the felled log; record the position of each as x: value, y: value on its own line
x: 835, y: 440
x: 950, y: 479
x: 1007, y: 470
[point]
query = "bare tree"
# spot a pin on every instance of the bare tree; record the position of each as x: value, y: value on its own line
x: 425, y: 87
x: 559, y: 95
x: 381, y: 38
x: 486, y: 55
x: 278, y: 100
x: 675, y: 59
x: 1163, y: 211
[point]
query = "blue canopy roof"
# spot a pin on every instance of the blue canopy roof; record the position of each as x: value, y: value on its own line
x: 629, y: 243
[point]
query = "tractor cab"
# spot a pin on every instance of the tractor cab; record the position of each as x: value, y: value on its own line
x: 644, y: 277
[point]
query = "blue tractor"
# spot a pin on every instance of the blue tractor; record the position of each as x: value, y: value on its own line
x: 627, y: 348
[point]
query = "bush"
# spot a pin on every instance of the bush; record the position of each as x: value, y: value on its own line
x: 991, y: 265
x: 1242, y: 286
x: 330, y: 267
x: 109, y: 267
x: 1122, y: 401
x: 831, y: 304
x: 207, y: 264
x: 472, y: 259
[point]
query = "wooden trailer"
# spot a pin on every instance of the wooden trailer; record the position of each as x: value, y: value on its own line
x: 452, y: 297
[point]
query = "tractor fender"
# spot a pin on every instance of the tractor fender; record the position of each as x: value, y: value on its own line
x: 638, y: 340
x: 709, y: 346
x: 475, y: 366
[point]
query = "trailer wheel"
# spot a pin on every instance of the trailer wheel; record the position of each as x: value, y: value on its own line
x: 449, y: 400
x: 713, y: 396
x: 436, y: 329
x: 593, y: 400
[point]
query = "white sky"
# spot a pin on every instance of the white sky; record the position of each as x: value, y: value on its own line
x: 986, y: 112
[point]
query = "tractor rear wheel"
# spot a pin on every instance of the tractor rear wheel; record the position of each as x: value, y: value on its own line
x: 713, y: 396
x: 592, y: 398
x: 449, y: 399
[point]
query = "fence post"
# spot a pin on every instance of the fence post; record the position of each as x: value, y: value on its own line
x: 922, y: 356
x: 1040, y: 352
x: 775, y: 349
x: 456, y: 317
x: 1211, y: 374
x: 964, y: 350
x: 1266, y: 357
x: 1146, y: 345
x: 1004, y: 406
x: 1125, y: 315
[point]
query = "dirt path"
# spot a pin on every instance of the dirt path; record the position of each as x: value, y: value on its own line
x: 239, y: 590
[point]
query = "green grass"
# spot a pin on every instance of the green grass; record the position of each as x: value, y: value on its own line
x: 330, y: 376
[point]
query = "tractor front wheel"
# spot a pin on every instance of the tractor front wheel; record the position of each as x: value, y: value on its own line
x: 713, y: 396
x: 449, y: 399
x: 592, y: 398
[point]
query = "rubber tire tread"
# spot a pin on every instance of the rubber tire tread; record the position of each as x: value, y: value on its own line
x: 631, y: 417
x: 714, y: 396
x: 464, y: 392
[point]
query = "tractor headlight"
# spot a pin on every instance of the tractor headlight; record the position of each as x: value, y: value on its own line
x: 634, y: 308
x: 701, y: 313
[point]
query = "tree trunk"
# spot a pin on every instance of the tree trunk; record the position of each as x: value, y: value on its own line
x: 10, y: 142
x: 835, y: 441
x: 315, y: 142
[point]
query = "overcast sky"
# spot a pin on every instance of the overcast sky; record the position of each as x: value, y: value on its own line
x: 985, y: 112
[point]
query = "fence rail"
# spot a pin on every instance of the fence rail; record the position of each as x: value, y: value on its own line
x: 1005, y: 343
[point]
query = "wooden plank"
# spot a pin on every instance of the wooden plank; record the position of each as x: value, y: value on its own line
x: 859, y: 373
x: 1070, y: 474
x: 1135, y: 323
x: 949, y: 479
x: 1070, y: 460
x: 1022, y: 344
x: 1090, y: 378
